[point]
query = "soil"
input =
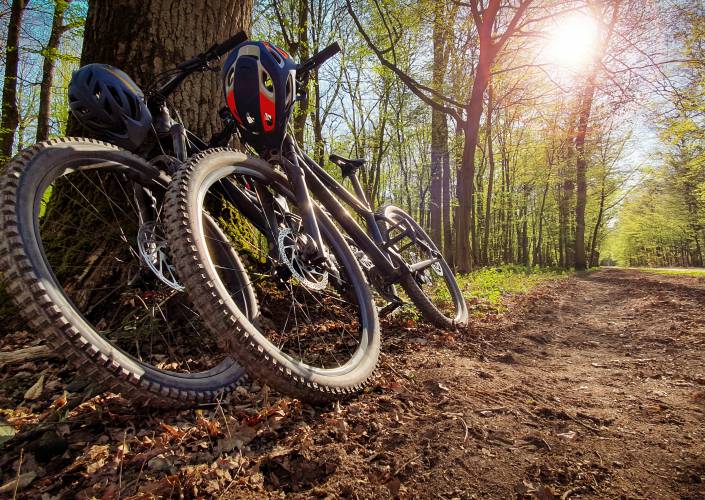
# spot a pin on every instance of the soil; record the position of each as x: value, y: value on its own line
x: 590, y: 386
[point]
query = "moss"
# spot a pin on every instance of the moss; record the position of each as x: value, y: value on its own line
x: 10, y: 319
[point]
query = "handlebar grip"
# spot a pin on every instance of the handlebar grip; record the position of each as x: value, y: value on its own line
x: 326, y: 53
x: 320, y: 57
x: 229, y: 44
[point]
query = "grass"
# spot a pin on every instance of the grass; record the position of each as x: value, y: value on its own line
x: 489, y: 285
x: 698, y: 273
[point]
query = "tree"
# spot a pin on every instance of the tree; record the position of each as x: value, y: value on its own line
x: 440, y: 157
x: 51, y: 52
x: 468, y: 114
x: 584, y: 109
x: 10, y: 116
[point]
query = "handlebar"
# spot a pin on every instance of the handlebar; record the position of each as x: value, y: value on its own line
x: 319, y: 58
x: 213, y: 53
x: 196, y: 63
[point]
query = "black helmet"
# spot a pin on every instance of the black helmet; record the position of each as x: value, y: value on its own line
x: 260, y: 89
x: 106, y: 101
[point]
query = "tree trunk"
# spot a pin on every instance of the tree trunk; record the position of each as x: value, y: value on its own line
x: 50, y: 56
x: 302, y: 53
x: 318, y: 146
x: 10, y: 116
x: 439, y: 123
x: 586, y: 101
x: 581, y: 171
x: 538, y: 253
x: 490, y: 183
x: 161, y: 34
x: 598, y: 223
x: 439, y: 140
x: 447, y: 223
x: 466, y: 185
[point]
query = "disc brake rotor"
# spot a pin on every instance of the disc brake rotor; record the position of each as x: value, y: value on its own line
x: 152, y: 245
x: 310, y: 276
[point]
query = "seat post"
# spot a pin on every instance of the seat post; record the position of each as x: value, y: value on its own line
x: 357, y: 187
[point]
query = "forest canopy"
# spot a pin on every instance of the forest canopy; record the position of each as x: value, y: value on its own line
x: 529, y: 132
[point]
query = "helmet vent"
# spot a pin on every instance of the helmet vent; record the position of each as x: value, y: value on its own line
x: 276, y: 56
x: 116, y: 95
x: 133, y: 107
x: 89, y: 78
x: 96, y: 91
x: 267, y: 81
x: 289, y: 91
x: 107, y: 107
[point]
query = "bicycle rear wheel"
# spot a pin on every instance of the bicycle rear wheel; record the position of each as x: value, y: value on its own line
x: 431, y: 284
x: 84, y: 257
x: 317, y: 336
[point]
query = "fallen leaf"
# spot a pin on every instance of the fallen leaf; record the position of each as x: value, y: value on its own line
x: 36, y: 390
x: 566, y: 435
x: 6, y: 431
x: 18, y: 483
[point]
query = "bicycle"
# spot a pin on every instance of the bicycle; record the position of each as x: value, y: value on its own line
x: 110, y: 302
x: 292, y: 244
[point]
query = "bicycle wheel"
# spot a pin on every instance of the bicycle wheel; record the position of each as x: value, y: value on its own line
x: 84, y: 257
x: 431, y: 284
x: 317, y: 336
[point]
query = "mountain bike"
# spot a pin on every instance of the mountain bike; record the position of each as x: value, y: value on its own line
x: 317, y: 335
x: 108, y: 300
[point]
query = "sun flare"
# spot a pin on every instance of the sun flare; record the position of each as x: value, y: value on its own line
x: 571, y: 41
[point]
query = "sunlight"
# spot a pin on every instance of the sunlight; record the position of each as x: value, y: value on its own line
x: 571, y: 41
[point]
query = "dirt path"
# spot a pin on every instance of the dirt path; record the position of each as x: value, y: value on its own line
x: 592, y: 386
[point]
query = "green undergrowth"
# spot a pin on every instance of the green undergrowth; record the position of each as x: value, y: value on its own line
x: 698, y: 273
x: 486, y: 288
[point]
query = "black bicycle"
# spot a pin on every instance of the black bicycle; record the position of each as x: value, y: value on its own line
x: 108, y: 299
x: 317, y: 334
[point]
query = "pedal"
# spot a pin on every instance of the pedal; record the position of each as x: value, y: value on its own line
x: 390, y: 308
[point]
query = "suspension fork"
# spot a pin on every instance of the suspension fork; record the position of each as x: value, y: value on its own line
x: 297, y: 179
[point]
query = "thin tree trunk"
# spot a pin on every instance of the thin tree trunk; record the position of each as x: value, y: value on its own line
x: 50, y: 56
x: 10, y: 115
x: 466, y: 184
x: 438, y: 123
x: 447, y: 223
x: 490, y: 182
x: 586, y: 101
x: 538, y: 253
x: 581, y: 171
x: 302, y: 52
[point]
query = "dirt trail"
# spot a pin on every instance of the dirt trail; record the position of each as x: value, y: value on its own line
x: 592, y: 386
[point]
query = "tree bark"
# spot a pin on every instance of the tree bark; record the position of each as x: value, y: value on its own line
x: 10, y: 115
x: 466, y: 184
x: 581, y: 171
x: 161, y: 34
x: 490, y: 182
x: 439, y: 124
x: 50, y: 56
x: 586, y: 101
x: 302, y: 46
x: 447, y: 222
x: 598, y: 223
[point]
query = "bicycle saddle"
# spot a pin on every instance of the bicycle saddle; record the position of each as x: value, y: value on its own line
x: 347, y: 167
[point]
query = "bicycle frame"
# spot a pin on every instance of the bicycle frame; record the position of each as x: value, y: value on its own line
x: 304, y: 173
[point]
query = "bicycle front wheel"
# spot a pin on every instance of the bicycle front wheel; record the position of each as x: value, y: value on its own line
x: 84, y: 257
x: 317, y: 334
